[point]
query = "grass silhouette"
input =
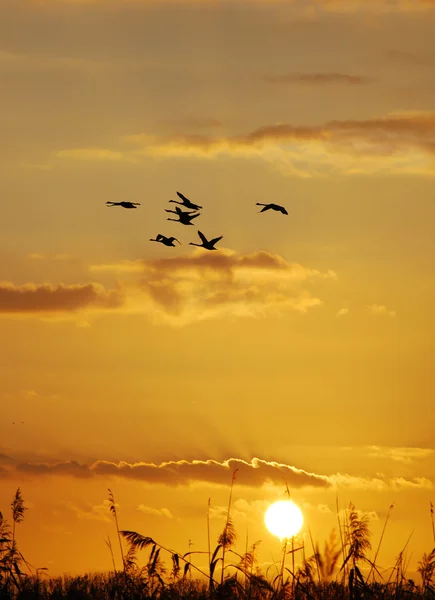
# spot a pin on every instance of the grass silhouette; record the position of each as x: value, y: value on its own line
x: 319, y: 576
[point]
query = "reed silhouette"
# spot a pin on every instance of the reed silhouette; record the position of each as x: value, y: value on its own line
x: 317, y: 577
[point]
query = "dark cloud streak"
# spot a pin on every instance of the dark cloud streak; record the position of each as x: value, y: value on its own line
x: 319, y: 79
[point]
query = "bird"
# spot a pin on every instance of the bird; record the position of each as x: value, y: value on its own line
x: 167, y: 241
x: 208, y: 245
x: 186, y: 202
x: 272, y: 207
x: 183, y: 217
x: 124, y: 204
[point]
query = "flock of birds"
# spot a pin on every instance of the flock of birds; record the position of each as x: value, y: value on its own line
x: 185, y: 217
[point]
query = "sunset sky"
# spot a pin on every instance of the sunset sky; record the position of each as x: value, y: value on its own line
x: 302, y: 351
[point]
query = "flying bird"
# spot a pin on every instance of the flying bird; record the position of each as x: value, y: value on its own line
x: 124, y: 204
x: 167, y: 241
x: 186, y: 202
x: 184, y: 217
x: 208, y: 245
x: 272, y: 207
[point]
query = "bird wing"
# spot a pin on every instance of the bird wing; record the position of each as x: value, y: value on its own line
x: 159, y: 237
x: 283, y: 210
x: 180, y: 195
x: 192, y: 216
x: 265, y: 208
x: 203, y: 238
x: 215, y: 240
x: 175, y: 240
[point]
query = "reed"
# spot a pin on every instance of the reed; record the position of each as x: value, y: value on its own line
x: 319, y: 577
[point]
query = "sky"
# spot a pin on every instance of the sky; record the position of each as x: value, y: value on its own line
x: 300, y: 352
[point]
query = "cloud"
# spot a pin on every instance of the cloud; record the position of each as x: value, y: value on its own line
x: 297, y: 6
x: 379, y: 484
x: 321, y: 508
x: 319, y: 79
x: 204, y: 285
x: 404, y: 455
x: 53, y: 299
x: 189, y: 123
x: 68, y: 468
x: 176, y: 290
x: 342, y: 312
x: 408, y: 58
x: 255, y: 473
x: 182, y: 472
x: 17, y: 60
x: 95, y: 154
x: 400, y: 483
x: 99, y: 512
x: 399, y: 142
x: 381, y: 310
x: 158, y: 512
x: 55, y: 257
x: 173, y: 473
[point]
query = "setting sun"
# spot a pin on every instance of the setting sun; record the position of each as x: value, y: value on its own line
x: 284, y: 519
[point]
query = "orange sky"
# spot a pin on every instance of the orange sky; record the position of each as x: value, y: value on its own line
x: 301, y: 351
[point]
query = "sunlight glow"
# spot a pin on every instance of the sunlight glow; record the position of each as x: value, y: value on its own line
x: 284, y: 519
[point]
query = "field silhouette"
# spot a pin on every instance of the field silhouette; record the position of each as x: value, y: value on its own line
x: 146, y: 570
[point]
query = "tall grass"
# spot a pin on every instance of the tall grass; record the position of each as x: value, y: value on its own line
x: 321, y: 576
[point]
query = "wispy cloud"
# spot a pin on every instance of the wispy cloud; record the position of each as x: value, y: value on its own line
x: 205, y: 285
x: 46, y: 62
x: 381, y: 310
x: 177, y: 290
x: 342, y: 312
x: 319, y: 79
x: 404, y: 455
x: 397, y: 142
x: 403, y: 57
x: 380, y: 484
x: 341, y: 6
x: 157, y: 512
x: 189, y: 123
x: 99, y: 512
x: 95, y: 154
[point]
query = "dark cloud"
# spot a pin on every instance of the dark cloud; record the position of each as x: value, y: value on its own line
x: 72, y: 468
x: 319, y: 79
x: 255, y: 473
x: 409, y: 58
x: 33, y: 298
x: 183, y: 472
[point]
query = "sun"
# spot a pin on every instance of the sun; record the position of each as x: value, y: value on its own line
x: 284, y: 519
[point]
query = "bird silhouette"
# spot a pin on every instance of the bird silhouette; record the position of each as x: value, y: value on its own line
x: 207, y: 244
x: 184, y: 217
x: 186, y: 202
x: 124, y: 204
x: 167, y: 241
x: 272, y: 207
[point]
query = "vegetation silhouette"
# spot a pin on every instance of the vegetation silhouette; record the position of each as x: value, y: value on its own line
x: 318, y: 577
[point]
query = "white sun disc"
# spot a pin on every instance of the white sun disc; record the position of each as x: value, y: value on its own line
x: 284, y: 519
